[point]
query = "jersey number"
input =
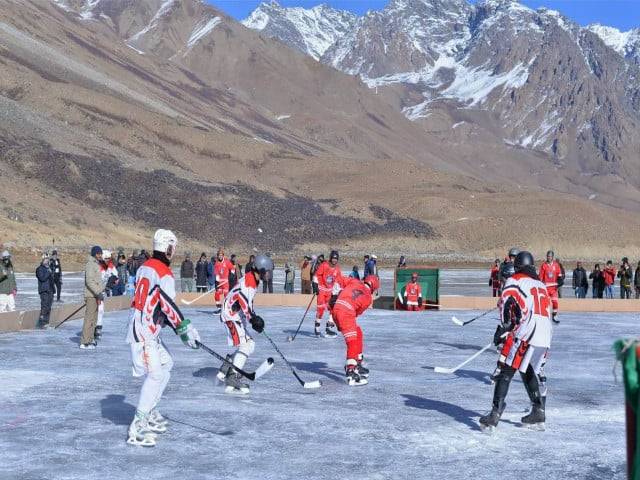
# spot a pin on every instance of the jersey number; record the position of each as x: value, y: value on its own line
x: 540, y: 302
x: 142, y: 290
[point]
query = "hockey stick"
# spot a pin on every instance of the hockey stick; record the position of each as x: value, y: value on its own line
x: 458, y: 367
x: 84, y: 305
x: 290, y: 338
x: 260, y: 371
x: 187, y: 302
x: 314, y: 384
x: 455, y: 319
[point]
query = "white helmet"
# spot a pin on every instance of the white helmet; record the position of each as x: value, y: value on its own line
x: 165, y: 241
x: 6, y: 254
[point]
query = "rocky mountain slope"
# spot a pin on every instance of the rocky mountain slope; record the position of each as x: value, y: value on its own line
x: 626, y: 43
x: 520, y: 80
x: 119, y: 116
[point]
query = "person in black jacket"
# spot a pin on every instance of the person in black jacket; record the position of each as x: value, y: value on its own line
x: 45, y: 289
x: 56, y: 268
x: 201, y: 274
x: 250, y: 264
x: 580, y: 282
x: 597, y: 284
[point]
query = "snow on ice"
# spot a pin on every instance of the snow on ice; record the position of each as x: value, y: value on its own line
x: 65, y: 411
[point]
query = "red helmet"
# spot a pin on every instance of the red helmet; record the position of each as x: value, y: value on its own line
x: 373, y: 282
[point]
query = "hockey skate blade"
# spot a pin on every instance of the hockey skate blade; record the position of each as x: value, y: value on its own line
x: 264, y: 367
x: 236, y: 391
x: 442, y: 370
x: 311, y: 385
x: 457, y: 321
x: 536, y: 427
x: 487, y: 429
x: 147, y: 441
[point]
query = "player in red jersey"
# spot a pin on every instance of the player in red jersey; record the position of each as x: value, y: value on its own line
x: 413, y: 294
x: 550, y: 275
x: 221, y: 270
x: 153, y: 308
x: 352, y: 302
x: 330, y: 281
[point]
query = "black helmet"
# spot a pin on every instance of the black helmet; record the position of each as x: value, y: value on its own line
x: 514, y: 251
x: 334, y: 254
x: 262, y: 264
x: 550, y: 252
x: 523, y: 259
x: 507, y: 270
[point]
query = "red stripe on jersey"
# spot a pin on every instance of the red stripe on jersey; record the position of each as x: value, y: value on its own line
x: 233, y: 331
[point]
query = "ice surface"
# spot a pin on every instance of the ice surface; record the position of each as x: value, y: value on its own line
x: 65, y: 411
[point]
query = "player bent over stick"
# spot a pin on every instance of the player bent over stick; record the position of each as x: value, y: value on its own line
x: 153, y: 307
x: 237, y: 311
x: 352, y: 302
x: 526, y: 323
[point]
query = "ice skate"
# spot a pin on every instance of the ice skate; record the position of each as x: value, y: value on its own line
x: 97, y: 333
x: 555, y: 318
x: 224, y: 369
x: 362, y: 370
x: 156, y: 422
x: 139, y: 433
x: 234, y: 386
x: 353, y: 378
x: 88, y: 346
x: 217, y: 311
x: 329, y: 331
x: 489, y: 422
x: 316, y: 330
x: 535, y: 420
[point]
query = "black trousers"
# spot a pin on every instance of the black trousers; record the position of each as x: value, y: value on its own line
x: 46, y: 299
x: 267, y: 285
x: 57, y: 285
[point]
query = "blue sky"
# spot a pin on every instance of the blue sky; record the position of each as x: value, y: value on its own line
x: 623, y: 14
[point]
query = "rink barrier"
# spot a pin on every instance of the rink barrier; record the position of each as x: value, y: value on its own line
x: 26, y: 320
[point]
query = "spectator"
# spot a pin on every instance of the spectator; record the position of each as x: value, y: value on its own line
x: 123, y: 275
x: 580, y: 282
x: 56, y: 268
x: 355, y: 273
x: 625, y: 274
x: 366, y: 271
x: 93, y: 297
x: 373, y: 265
x: 561, y: 277
x: 305, y: 276
x: 403, y: 262
x: 235, y: 273
x: 494, y: 277
x: 597, y: 285
x: 132, y: 271
x: 109, y: 274
x: 289, y: 277
x: 187, y: 273
x: 267, y: 279
x: 8, y: 286
x: 609, y: 279
x: 211, y: 274
x: 201, y: 273
x: 250, y: 264
x: 636, y: 281
x: 46, y: 290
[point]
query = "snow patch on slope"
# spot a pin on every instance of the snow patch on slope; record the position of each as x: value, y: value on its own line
x: 164, y: 8
x: 202, y: 30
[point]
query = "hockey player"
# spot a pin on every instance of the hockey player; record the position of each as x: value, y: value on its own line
x: 154, y: 308
x: 506, y: 267
x: 352, y: 302
x: 237, y: 312
x: 330, y: 281
x: 526, y: 324
x: 221, y: 270
x: 413, y: 294
x: 550, y: 274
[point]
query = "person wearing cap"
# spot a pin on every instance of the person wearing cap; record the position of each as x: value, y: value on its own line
x: 625, y: 274
x: 373, y: 265
x: 94, y: 286
x: 56, y: 268
x: 412, y: 299
x: 8, y: 286
x: 45, y: 290
x: 305, y: 276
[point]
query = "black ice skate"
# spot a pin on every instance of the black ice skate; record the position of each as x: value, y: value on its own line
x: 217, y: 311
x: 490, y: 421
x: 555, y: 318
x: 97, y: 333
x: 362, y: 370
x: 329, y: 332
x: 234, y: 386
x: 316, y: 330
x: 535, y: 420
x: 353, y: 378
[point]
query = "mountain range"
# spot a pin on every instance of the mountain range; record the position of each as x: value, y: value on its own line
x: 427, y: 126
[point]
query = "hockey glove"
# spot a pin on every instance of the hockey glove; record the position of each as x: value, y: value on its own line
x: 257, y: 323
x: 498, y: 337
x: 188, y: 333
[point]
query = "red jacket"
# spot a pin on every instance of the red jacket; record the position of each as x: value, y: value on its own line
x: 355, y: 297
x: 412, y: 292
x: 328, y: 275
x: 609, y: 274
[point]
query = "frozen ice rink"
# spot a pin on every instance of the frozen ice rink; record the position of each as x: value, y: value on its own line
x: 64, y: 412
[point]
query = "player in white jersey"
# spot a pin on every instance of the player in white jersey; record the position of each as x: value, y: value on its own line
x: 237, y: 312
x: 526, y: 324
x: 153, y: 308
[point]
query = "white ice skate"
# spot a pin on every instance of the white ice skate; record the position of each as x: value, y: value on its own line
x: 353, y: 377
x: 139, y: 433
x: 157, y: 423
x: 234, y: 386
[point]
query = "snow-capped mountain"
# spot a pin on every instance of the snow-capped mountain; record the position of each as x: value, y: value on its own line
x: 543, y: 82
x: 312, y: 31
x: 626, y: 43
